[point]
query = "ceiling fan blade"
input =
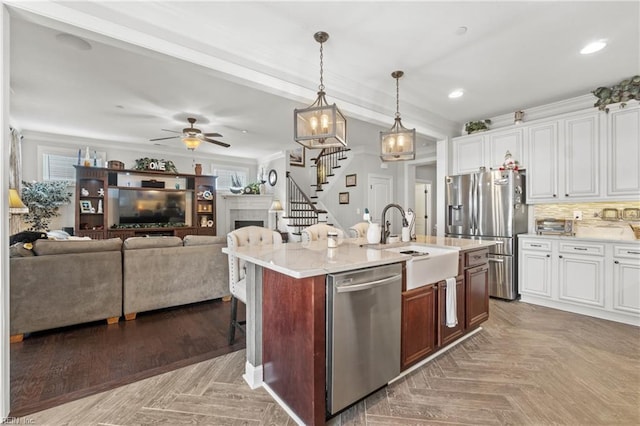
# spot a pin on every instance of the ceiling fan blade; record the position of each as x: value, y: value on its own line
x: 215, y: 135
x: 172, y: 131
x: 161, y: 139
x: 226, y: 145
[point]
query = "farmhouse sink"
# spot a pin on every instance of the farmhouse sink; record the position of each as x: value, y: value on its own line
x: 428, y: 264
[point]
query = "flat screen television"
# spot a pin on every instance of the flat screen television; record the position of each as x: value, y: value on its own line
x: 149, y: 206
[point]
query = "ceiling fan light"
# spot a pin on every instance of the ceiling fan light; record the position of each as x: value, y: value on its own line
x: 192, y: 142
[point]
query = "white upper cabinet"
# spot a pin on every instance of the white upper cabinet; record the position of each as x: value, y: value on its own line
x: 468, y: 154
x: 499, y: 143
x: 623, y: 152
x: 581, y: 156
x: 542, y: 164
x: 584, y: 156
x: 486, y: 149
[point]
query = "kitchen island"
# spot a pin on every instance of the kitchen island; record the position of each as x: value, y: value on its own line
x: 286, y: 312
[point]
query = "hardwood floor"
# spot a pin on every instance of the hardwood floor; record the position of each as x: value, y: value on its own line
x: 529, y: 365
x: 53, y: 367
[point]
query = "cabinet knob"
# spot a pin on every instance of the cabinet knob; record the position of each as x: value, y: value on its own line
x: 560, y: 256
x: 555, y: 195
x: 616, y: 262
x: 550, y: 255
x: 566, y: 195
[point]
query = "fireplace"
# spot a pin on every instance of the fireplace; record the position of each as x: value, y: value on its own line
x: 243, y: 223
x: 246, y: 209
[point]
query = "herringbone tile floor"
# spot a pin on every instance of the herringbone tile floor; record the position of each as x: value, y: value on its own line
x: 529, y: 366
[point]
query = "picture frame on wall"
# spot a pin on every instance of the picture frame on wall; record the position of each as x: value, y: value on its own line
x: 296, y: 157
x: 85, y: 206
x: 351, y: 180
x: 343, y: 198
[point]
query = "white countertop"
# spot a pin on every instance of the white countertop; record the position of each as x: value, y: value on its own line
x: 301, y: 260
x: 582, y: 238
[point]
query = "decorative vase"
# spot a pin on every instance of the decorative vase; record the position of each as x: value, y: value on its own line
x: 198, y: 168
x: 373, y: 233
x: 263, y: 188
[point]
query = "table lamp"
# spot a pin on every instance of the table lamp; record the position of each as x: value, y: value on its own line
x: 275, y: 208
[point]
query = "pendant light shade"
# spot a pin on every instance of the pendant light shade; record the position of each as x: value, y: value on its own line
x: 320, y: 125
x: 398, y: 143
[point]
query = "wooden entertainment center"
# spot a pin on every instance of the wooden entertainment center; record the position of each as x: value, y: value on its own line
x: 98, y: 191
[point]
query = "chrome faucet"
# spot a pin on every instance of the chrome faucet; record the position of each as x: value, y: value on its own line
x: 384, y: 232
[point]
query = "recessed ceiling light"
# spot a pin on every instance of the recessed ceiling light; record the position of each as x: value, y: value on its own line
x: 456, y: 93
x: 245, y: 131
x: 593, y: 47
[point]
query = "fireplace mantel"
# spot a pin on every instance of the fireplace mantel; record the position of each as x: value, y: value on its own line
x: 246, y: 207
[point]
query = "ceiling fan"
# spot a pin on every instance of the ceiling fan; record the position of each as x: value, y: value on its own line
x: 193, y: 137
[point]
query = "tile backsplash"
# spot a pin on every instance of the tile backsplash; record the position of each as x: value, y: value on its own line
x: 591, y: 222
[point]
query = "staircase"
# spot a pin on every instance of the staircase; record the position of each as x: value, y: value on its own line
x: 325, y: 163
x: 302, y: 210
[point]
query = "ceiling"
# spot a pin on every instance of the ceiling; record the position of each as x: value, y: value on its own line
x: 241, y: 68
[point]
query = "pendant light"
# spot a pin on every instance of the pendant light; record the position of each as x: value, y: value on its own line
x: 398, y: 143
x: 320, y: 125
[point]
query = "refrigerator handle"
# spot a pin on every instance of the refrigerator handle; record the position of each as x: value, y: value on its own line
x: 474, y: 205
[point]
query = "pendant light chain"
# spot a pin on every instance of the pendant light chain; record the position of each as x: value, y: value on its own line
x: 398, y: 97
x: 321, y: 87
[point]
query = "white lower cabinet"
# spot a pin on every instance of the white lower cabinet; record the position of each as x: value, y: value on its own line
x: 626, y: 279
x: 599, y: 279
x: 581, y: 279
x: 535, y: 268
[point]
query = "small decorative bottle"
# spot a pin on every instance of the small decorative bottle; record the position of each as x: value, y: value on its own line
x: 87, y: 158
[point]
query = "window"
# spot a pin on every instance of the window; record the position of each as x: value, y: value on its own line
x: 58, y: 167
x: 57, y: 163
x: 224, y: 177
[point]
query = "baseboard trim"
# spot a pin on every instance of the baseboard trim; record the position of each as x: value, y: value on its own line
x: 252, y: 375
x: 435, y: 355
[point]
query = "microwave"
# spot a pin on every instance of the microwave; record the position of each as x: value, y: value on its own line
x: 554, y: 227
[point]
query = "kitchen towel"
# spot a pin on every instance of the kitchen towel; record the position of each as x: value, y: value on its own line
x: 451, y: 308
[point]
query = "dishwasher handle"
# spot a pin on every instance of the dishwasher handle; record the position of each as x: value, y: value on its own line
x: 368, y: 285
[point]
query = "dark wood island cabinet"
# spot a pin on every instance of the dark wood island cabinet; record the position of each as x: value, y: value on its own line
x: 424, y: 328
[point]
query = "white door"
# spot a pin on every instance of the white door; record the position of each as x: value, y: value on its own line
x: 379, y: 195
x: 423, y: 208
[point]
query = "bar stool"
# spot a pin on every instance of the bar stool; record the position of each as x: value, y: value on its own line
x: 318, y: 232
x: 246, y: 236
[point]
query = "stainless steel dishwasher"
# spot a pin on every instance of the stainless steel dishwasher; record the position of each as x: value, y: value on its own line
x: 363, y: 333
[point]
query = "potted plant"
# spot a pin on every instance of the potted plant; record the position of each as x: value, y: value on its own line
x: 622, y: 92
x: 44, y: 200
x: 477, y: 126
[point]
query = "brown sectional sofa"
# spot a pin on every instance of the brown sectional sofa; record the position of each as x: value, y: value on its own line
x: 76, y: 281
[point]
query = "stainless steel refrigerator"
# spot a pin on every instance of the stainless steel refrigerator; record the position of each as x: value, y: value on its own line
x: 490, y: 206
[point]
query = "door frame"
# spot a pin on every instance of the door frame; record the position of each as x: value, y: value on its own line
x: 390, y: 193
x: 428, y: 203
